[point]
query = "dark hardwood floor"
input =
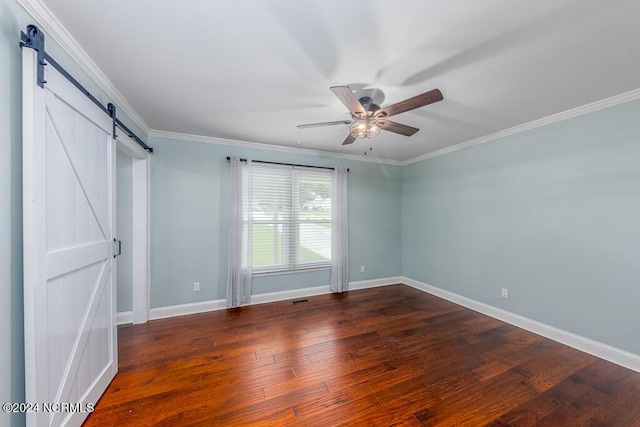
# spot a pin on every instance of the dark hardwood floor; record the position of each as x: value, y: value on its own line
x: 384, y: 356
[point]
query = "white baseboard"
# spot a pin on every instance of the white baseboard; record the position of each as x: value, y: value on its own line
x: 125, y: 317
x: 184, y: 309
x: 374, y: 283
x: 320, y: 290
x: 285, y: 295
x: 221, y: 304
x: 595, y: 348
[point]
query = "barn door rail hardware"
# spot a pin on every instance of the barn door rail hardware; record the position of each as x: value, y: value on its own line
x: 34, y: 39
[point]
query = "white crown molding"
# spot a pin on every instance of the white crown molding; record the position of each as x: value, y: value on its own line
x: 48, y: 22
x: 595, y: 348
x: 623, y: 98
x: 54, y: 28
x: 269, y: 147
x: 633, y: 95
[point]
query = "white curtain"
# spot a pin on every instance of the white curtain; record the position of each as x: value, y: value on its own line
x: 339, y: 231
x: 240, y: 224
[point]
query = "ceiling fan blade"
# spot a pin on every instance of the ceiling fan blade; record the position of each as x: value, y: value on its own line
x: 397, y: 127
x: 345, y: 94
x: 412, y: 103
x: 349, y: 140
x: 315, y: 125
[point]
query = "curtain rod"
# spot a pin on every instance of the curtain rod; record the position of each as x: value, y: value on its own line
x: 287, y: 164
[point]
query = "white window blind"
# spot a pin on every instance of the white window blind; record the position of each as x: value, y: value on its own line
x: 291, y: 215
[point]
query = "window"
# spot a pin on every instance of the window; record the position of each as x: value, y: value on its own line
x: 291, y: 214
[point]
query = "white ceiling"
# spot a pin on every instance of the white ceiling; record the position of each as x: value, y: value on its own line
x: 251, y: 70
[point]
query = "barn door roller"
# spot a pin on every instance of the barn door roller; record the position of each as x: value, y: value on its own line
x: 34, y: 39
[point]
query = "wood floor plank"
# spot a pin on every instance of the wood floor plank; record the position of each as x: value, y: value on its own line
x: 500, y: 395
x: 544, y: 372
x: 580, y: 403
x: 334, y: 410
x: 386, y: 356
x: 528, y: 413
x: 605, y: 377
x: 623, y: 411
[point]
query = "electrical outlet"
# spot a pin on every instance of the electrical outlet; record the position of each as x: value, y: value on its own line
x: 362, y: 269
x: 505, y: 293
x: 196, y: 286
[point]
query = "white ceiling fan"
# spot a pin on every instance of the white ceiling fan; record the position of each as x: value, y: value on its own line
x: 369, y: 119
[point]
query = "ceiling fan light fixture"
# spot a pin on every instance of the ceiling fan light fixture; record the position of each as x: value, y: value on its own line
x: 365, y: 127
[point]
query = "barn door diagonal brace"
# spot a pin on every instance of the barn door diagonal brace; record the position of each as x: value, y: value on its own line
x: 34, y: 39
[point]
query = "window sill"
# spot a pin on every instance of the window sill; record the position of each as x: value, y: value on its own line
x: 290, y: 271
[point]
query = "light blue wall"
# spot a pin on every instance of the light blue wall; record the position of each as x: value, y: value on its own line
x: 189, y: 193
x: 11, y: 311
x: 124, y: 221
x: 552, y: 214
x: 14, y: 19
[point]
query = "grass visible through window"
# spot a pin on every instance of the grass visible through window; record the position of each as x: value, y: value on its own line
x: 267, y: 252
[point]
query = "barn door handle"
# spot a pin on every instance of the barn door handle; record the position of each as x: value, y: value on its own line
x: 117, y: 251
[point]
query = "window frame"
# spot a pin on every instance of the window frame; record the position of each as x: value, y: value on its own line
x: 290, y: 226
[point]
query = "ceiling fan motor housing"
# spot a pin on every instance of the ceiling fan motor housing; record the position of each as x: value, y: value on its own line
x: 368, y: 105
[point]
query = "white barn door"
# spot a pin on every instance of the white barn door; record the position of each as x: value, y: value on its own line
x: 69, y: 265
